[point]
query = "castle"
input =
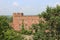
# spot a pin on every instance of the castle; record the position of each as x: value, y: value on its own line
x: 19, y: 19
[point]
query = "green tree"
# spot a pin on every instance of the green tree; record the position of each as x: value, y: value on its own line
x: 52, y: 15
x: 51, y: 29
x: 6, y: 32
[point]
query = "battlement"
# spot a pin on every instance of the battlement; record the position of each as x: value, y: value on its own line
x: 17, y: 14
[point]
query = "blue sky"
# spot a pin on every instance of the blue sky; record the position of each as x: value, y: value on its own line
x: 28, y: 7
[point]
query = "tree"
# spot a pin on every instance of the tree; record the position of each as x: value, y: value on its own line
x: 52, y: 15
x: 6, y: 32
x: 51, y: 29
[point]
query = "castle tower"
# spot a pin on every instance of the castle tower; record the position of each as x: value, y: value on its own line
x: 16, y: 19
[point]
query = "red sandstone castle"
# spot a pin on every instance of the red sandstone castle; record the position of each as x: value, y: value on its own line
x: 19, y: 19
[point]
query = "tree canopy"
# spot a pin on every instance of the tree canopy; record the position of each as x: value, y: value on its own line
x: 51, y: 29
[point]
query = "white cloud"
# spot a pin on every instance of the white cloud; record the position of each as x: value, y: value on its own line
x: 15, y: 4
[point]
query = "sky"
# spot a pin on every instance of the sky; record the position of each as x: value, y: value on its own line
x: 28, y: 7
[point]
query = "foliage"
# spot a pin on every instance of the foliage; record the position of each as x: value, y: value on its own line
x: 52, y: 18
x: 24, y: 31
x: 6, y: 32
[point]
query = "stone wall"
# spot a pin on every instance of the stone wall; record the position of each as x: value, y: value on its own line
x: 27, y: 20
